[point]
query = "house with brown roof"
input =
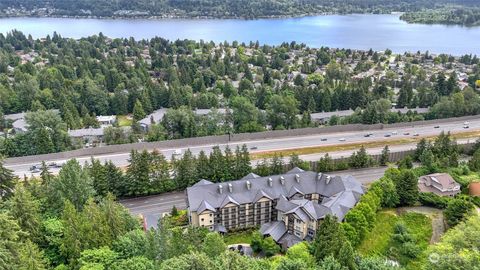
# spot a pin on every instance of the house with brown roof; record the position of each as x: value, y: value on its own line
x: 441, y: 184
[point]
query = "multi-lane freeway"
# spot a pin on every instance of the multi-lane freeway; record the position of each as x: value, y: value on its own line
x: 255, y: 146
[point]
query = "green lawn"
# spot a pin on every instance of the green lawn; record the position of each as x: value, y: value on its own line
x: 238, y: 237
x: 124, y: 120
x: 379, y: 240
x: 376, y: 242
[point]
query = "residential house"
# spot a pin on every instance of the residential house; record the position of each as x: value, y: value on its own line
x: 441, y: 184
x: 87, y: 136
x: 153, y: 118
x: 106, y: 120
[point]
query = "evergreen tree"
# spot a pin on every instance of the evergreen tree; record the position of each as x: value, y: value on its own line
x: 138, y: 111
x: 213, y: 245
x: 328, y: 240
x: 186, y: 171
x: 229, y: 165
x: 7, y: 181
x: 31, y: 257
x: 73, y: 184
x: 26, y: 210
x: 161, y: 181
x: 10, y: 237
x: 407, y: 187
x: 384, y: 158
x: 203, y: 166
x: 217, y: 164
x: 115, y: 179
x: 138, y: 173
x: 99, y: 179
x: 242, y: 162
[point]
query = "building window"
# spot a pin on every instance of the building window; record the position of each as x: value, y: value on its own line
x: 202, y: 219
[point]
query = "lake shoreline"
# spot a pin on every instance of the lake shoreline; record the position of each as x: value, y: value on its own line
x: 355, y: 31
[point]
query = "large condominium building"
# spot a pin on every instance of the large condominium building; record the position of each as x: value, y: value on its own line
x: 287, y: 207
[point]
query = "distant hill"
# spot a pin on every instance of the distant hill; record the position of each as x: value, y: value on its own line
x: 214, y: 8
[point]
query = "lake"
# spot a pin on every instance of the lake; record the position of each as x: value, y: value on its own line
x: 340, y: 31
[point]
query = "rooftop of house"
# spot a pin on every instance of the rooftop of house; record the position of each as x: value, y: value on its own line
x: 79, y: 133
x: 440, y: 183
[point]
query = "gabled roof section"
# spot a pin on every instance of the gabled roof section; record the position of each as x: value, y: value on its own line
x: 250, y: 176
x: 204, y: 205
x: 202, y: 182
x: 228, y: 199
x: 294, y: 190
x: 295, y: 170
x: 260, y: 194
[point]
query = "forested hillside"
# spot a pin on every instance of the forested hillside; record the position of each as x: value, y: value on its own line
x: 258, y: 87
x: 215, y: 8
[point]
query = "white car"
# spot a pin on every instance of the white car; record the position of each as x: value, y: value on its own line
x: 177, y: 152
x: 342, y: 139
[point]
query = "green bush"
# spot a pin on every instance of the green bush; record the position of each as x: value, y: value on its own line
x: 433, y: 200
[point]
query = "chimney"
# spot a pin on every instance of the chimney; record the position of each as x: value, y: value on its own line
x: 220, y: 189
x: 297, y: 178
x: 282, y: 180
x: 230, y: 187
x: 327, y: 179
x: 319, y: 176
x: 249, y: 185
x: 270, y: 182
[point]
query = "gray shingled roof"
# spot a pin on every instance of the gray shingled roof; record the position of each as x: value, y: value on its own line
x: 344, y: 192
x: 275, y: 229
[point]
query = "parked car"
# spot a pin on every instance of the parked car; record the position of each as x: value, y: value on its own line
x: 253, y: 148
x: 466, y: 126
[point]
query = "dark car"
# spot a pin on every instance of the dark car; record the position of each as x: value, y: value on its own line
x: 388, y: 135
x: 436, y: 126
x: 323, y: 139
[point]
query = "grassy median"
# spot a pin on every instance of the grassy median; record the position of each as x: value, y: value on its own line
x: 354, y: 146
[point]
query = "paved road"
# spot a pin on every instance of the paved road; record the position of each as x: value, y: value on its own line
x: 255, y: 146
x: 152, y: 207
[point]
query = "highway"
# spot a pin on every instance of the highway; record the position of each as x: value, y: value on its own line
x: 256, y: 146
x: 151, y: 207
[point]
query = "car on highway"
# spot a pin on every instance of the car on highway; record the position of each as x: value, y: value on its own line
x: 416, y: 134
x: 466, y: 126
x: 177, y: 152
x: 342, y: 139
x: 436, y: 127
x: 466, y: 123
x: 394, y: 132
x: 323, y: 139
x: 368, y: 135
x: 388, y: 135
x: 36, y: 170
x: 35, y: 167
x: 253, y: 148
x: 406, y: 133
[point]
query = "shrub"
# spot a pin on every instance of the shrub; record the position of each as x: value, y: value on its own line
x: 433, y: 200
